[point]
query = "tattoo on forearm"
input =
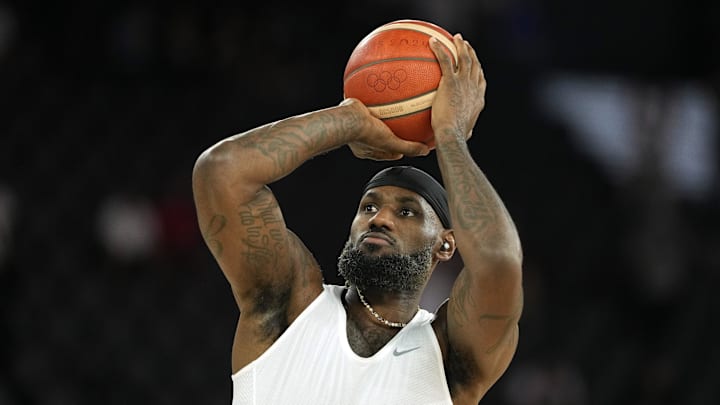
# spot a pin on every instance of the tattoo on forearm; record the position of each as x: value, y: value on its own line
x: 215, y: 226
x: 282, y: 150
x: 476, y: 205
x: 292, y: 144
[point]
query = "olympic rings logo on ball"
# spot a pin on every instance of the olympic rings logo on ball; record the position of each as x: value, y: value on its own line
x: 386, y: 80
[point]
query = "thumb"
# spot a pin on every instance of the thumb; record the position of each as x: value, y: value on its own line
x: 410, y: 148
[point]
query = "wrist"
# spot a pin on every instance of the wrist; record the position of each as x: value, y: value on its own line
x: 448, y: 133
x: 353, y: 120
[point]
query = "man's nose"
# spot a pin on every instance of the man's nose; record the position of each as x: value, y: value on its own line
x: 383, y: 218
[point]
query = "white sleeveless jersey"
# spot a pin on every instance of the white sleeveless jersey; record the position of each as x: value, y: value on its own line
x: 312, y: 363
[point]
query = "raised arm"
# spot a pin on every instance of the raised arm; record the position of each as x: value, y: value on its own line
x: 486, y: 300
x: 239, y: 218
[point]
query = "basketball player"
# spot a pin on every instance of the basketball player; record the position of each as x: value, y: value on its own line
x: 301, y: 341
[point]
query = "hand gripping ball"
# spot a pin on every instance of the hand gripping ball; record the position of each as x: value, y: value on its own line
x: 395, y: 74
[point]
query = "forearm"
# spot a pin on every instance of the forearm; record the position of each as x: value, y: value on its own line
x: 268, y: 153
x: 482, y: 225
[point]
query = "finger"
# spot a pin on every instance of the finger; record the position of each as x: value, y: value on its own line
x: 410, y: 148
x: 464, y: 58
x: 381, y: 156
x: 476, y: 72
x: 446, y: 64
x: 376, y: 155
x: 394, y: 156
x: 481, y: 78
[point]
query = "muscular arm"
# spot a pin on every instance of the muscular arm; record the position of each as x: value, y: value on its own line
x: 238, y: 215
x: 486, y: 299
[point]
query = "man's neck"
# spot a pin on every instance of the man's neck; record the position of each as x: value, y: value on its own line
x: 366, y: 333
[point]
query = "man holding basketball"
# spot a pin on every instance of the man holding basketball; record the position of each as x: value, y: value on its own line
x: 300, y: 341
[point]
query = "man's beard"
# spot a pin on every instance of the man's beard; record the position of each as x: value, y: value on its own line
x: 393, y: 272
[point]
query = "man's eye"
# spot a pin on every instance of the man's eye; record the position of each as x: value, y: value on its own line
x: 406, y: 212
x: 369, y: 208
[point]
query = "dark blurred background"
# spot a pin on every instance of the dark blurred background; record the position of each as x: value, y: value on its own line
x: 600, y: 133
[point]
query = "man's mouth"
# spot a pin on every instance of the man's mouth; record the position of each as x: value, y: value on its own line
x: 377, y: 238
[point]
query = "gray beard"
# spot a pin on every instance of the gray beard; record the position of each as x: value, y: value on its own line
x: 393, y: 273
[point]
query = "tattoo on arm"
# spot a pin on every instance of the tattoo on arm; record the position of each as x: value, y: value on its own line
x: 282, y: 151
x: 215, y: 226
x: 474, y: 209
x: 462, y: 299
x: 263, y: 238
x: 291, y: 143
x: 510, y: 322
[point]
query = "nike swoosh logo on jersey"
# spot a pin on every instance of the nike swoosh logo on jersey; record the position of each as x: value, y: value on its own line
x: 397, y: 352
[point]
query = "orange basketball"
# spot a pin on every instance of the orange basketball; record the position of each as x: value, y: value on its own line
x: 394, y: 72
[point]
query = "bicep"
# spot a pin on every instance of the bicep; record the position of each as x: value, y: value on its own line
x: 482, y: 319
x: 248, y: 239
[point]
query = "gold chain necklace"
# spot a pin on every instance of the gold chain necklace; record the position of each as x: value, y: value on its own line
x: 378, y: 316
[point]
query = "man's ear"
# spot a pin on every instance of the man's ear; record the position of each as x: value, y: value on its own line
x: 447, y: 246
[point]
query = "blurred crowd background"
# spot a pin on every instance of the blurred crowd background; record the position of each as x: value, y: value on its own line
x: 600, y: 133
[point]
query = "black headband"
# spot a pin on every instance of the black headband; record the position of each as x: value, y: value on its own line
x: 418, y: 181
